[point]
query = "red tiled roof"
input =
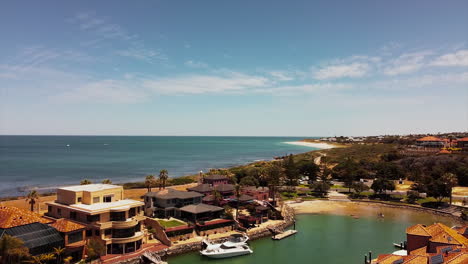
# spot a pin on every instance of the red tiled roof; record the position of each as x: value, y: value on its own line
x: 63, y: 225
x: 13, y: 216
x: 417, y: 230
x: 463, y: 139
x: 429, y: 138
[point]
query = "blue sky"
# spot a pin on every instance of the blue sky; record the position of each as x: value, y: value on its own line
x: 263, y: 68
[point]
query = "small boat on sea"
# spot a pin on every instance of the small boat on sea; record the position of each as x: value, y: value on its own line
x: 235, y: 245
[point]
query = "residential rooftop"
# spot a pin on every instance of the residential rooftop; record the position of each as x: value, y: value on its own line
x: 13, y: 217
x: 102, y: 207
x: 64, y: 225
x: 90, y: 187
x: 173, y: 194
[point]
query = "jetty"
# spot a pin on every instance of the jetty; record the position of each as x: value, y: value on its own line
x: 284, y: 234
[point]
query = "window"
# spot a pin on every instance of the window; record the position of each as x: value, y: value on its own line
x: 108, y: 232
x: 49, y: 209
x: 79, y: 199
x: 73, y: 215
x: 89, y: 232
x: 96, y: 199
x: 59, y: 212
x: 117, y: 216
x: 97, y: 232
x: 75, y: 237
x: 93, y: 218
x: 108, y: 198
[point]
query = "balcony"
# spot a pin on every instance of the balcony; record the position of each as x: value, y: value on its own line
x: 137, y: 236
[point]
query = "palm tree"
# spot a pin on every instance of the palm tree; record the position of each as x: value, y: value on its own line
x: 263, y: 177
x: 150, y: 182
x: 32, y: 198
x: 275, y: 172
x: 59, y: 253
x: 163, y: 176
x: 67, y: 260
x: 12, y: 250
x: 47, y: 257
x: 85, y: 182
x: 106, y: 181
x: 451, y: 181
x: 217, y: 197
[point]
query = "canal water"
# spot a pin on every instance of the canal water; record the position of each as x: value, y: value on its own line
x: 328, y: 238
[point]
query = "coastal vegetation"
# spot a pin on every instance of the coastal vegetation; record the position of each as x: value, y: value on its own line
x: 32, y: 198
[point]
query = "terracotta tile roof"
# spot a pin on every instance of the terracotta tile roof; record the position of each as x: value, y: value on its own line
x: 461, y: 258
x: 63, y: 225
x: 444, y: 234
x: 13, y: 216
x: 419, y: 252
x: 416, y: 260
x: 463, y: 139
x: 388, y: 259
x: 418, y: 230
x: 430, y: 138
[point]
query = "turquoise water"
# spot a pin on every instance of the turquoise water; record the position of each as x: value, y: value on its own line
x: 330, y: 239
x: 47, y: 161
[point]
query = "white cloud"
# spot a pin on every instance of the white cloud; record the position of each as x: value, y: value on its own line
x: 148, y: 55
x: 200, y: 84
x: 282, y: 75
x: 352, y: 70
x: 406, y: 63
x: 459, y: 58
x: 195, y: 64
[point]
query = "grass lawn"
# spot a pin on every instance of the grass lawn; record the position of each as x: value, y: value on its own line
x: 170, y: 223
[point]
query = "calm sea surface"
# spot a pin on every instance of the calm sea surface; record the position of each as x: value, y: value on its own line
x: 329, y: 239
x: 49, y: 161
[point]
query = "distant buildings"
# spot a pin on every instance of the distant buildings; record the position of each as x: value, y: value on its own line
x: 167, y: 203
x: 434, y: 244
x: 108, y: 217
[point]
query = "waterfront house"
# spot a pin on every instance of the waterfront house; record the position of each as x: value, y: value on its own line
x: 74, y: 237
x: 201, y: 211
x: 215, y: 179
x: 109, y: 218
x: 432, y: 244
x: 206, y: 189
x: 32, y: 229
x: 167, y: 203
x: 258, y: 193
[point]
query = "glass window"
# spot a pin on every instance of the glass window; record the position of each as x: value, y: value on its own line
x: 79, y: 199
x: 73, y: 215
x: 96, y: 199
x: 108, y: 198
x: 75, y: 237
x: 59, y: 212
x: 93, y: 218
x: 89, y: 232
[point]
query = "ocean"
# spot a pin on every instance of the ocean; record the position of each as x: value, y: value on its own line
x: 45, y: 162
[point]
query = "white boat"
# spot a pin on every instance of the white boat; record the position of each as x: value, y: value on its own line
x: 235, y: 245
x: 222, y: 251
x: 236, y: 240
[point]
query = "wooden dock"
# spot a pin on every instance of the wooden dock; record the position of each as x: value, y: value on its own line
x: 284, y: 234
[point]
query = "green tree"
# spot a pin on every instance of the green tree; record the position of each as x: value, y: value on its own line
x: 95, y: 249
x: 359, y: 187
x: 381, y: 185
x: 451, y: 181
x: 32, y: 198
x: 412, y: 196
x: 12, y: 250
x: 237, y: 192
x: 323, y: 184
x: 85, y: 182
x: 309, y: 169
x: 163, y: 176
x: 347, y: 171
x: 217, y: 197
x: 150, y: 182
x: 290, y: 171
x: 106, y: 181
x: 274, y: 172
x: 249, y: 181
x: 438, y: 189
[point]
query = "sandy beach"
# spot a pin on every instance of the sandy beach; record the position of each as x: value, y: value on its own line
x: 319, y: 145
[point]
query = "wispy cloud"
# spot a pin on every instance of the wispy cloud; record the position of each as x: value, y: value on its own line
x: 459, y: 58
x: 352, y: 70
x: 406, y: 63
x: 103, y: 30
x: 195, y: 64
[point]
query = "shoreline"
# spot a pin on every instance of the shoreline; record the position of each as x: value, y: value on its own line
x: 319, y: 145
